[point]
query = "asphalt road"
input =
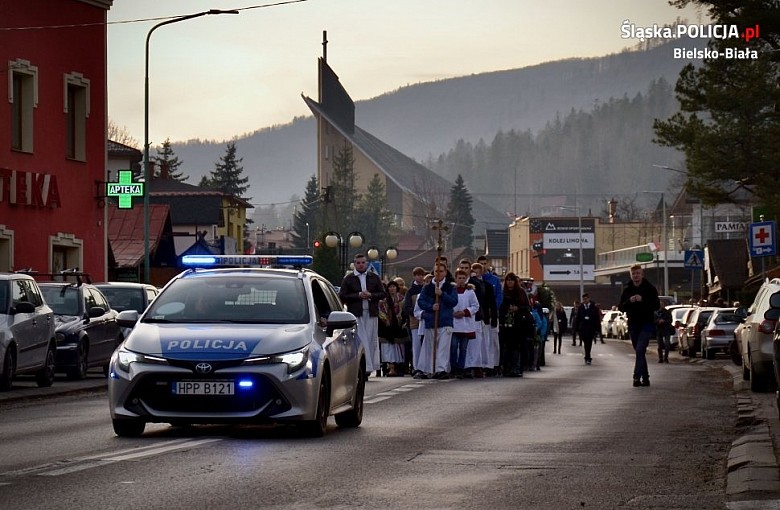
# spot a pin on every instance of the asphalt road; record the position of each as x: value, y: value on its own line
x: 569, y: 436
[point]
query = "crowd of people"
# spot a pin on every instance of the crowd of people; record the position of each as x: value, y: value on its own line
x: 471, y: 324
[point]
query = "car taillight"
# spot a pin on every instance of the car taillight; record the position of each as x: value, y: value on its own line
x: 767, y: 326
x: 716, y: 332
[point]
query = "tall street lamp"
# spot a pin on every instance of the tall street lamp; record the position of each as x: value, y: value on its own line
x: 576, y: 208
x: 147, y: 177
x: 374, y: 253
x: 665, y: 241
x: 354, y: 240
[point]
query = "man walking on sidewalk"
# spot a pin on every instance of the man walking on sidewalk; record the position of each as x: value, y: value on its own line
x: 639, y: 301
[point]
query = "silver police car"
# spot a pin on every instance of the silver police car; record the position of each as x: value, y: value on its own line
x: 239, y: 345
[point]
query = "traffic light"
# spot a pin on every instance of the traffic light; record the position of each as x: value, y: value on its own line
x: 317, y: 243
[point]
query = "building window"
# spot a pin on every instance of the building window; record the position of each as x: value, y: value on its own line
x: 66, y: 251
x: 6, y: 249
x: 76, y: 109
x: 23, y: 96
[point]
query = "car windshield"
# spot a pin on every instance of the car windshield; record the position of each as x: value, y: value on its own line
x: 239, y: 299
x: 62, y: 300
x: 122, y: 299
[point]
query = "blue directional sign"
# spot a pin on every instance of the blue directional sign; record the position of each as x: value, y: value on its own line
x: 763, y: 241
x: 375, y: 266
x: 694, y: 259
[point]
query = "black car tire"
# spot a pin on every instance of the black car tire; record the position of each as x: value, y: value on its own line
x: 317, y: 426
x: 6, y: 379
x: 757, y: 384
x: 45, y: 376
x: 129, y: 428
x: 354, y: 417
x: 79, y: 372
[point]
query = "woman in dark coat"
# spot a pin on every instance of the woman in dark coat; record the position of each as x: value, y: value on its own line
x: 516, y: 327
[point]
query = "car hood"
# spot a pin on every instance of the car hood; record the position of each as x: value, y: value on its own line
x: 213, y: 341
x: 64, y: 323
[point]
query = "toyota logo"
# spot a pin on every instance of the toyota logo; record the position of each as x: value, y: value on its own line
x: 203, y: 368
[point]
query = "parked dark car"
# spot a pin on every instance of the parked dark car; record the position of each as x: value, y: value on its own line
x: 86, y: 328
x: 128, y: 296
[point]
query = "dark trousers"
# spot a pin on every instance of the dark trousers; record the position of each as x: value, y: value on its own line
x: 586, y: 337
x: 512, y: 345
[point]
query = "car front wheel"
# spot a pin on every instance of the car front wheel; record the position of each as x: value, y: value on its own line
x: 129, y: 428
x: 82, y: 362
x: 9, y: 367
x: 317, y: 426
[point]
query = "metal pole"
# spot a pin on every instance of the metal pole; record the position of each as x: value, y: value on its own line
x: 579, y: 227
x: 147, y: 177
x: 666, y: 247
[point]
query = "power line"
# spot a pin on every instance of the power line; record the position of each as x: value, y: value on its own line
x: 140, y: 20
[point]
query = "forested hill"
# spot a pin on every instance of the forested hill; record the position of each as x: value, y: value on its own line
x: 426, y: 120
x: 606, y: 152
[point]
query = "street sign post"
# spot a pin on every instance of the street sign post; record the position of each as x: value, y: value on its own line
x: 763, y: 239
x: 694, y: 259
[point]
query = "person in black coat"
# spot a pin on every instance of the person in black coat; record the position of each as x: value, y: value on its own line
x: 639, y: 301
x: 516, y: 327
x: 588, y: 321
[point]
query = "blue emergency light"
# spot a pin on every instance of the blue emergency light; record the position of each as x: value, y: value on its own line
x: 246, y: 260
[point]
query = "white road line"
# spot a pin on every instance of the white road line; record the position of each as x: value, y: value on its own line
x: 92, y: 461
x: 374, y: 400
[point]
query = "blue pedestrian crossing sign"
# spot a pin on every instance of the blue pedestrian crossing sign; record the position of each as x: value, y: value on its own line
x: 694, y: 259
x: 763, y: 242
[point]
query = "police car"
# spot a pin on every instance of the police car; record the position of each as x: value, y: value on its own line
x: 239, y: 345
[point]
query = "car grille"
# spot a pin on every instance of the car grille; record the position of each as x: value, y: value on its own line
x: 156, y: 393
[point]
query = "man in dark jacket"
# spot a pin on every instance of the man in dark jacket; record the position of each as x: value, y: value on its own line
x: 588, y: 320
x: 361, y: 290
x: 639, y: 301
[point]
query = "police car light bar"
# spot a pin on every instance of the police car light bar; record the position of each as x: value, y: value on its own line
x: 246, y: 260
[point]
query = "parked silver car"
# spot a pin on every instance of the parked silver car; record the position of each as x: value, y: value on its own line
x: 756, y: 335
x: 719, y: 332
x: 27, y: 344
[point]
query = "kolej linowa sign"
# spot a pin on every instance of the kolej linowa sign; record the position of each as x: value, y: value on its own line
x: 561, y: 238
x: 125, y: 188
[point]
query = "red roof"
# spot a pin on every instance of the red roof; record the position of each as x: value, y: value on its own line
x: 126, y: 232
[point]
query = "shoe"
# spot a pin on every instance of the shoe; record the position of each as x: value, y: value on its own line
x: 645, y: 382
x: 603, y: 342
x: 469, y: 374
x: 660, y: 361
x: 574, y: 344
x: 637, y: 383
x: 440, y: 375
x: 587, y: 362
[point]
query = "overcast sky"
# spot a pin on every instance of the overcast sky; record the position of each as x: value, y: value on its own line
x: 216, y: 77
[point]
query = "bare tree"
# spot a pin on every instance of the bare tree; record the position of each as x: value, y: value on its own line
x: 121, y: 135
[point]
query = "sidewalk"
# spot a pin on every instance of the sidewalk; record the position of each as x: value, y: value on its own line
x: 24, y: 387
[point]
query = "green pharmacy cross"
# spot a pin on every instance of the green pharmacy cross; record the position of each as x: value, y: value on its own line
x: 125, y: 188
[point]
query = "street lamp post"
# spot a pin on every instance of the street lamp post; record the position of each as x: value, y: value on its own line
x: 374, y: 253
x: 308, y: 239
x: 147, y: 177
x: 333, y: 240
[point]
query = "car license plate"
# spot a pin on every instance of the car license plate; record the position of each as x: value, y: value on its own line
x: 204, y: 388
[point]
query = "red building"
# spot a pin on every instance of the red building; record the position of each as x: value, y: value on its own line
x: 53, y: 135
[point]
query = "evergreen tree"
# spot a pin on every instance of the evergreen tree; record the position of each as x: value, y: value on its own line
x: 306, y: 225
x: 373, y: 217
x: 459, y: 214
x: 167, y: 158
x: 227, y: 176
x: 728, y: 126
x: 342, y: 195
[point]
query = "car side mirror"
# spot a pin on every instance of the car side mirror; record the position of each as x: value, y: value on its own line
x: 96, y: 311
x: 23, y: 307
x: 127, y: 319
x: 340, y: 320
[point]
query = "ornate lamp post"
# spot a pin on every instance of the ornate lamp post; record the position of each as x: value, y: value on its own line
x: 333, y: 240
x: 374, y: 253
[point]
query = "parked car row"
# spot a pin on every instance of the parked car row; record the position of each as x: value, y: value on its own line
x: 58, y: 326
x: 614, y: 324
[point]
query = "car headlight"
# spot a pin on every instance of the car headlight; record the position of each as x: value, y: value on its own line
x: 59, y: 337
x: 125, y: 358
x: 294, y: 360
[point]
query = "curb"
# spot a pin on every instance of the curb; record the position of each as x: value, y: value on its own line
x: 752, y: 468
